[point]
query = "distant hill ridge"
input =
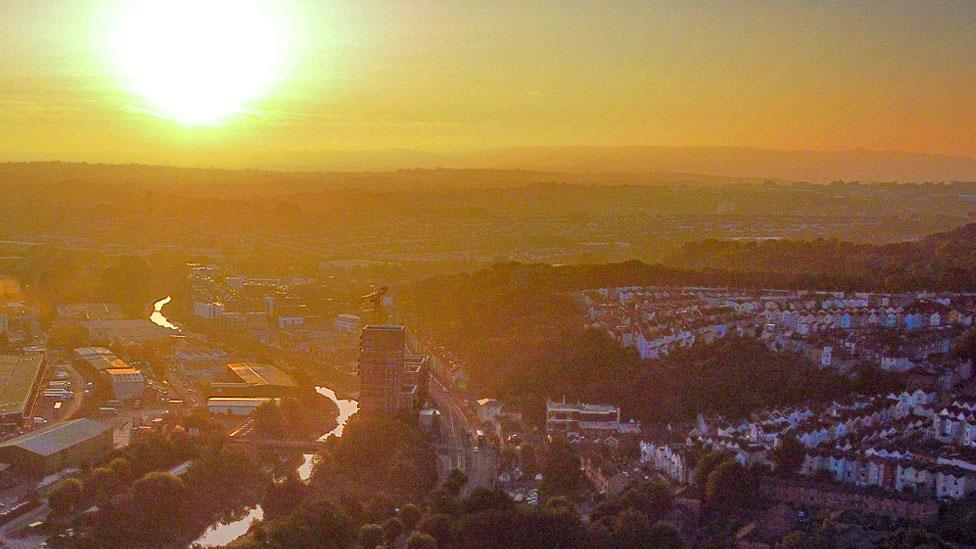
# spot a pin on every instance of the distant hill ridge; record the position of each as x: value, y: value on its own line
x: 597, y: 164
x: 285, y: 181
x: 796, y: 165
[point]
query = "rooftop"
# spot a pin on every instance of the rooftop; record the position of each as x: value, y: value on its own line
x: 130, y: 329
x: 55, y: 438
x: 388, y: 327
x: 239, y: 401
x: 17, y: 375
x: 261, y: 374
x: 91, y: 311
x: 100, y: 358
x: 122, y: 371
x: 553, y: 405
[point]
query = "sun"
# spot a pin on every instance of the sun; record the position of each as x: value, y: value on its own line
x: 199, y: 62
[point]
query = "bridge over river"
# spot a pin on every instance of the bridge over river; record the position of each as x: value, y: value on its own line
x: 303, y: 445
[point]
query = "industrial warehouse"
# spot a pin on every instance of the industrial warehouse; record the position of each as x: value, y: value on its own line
x: 57, y: 446
x: 249, y: 379
x: 237, y: 406
x: 126, y: 382
x: 19, y: 376
x: 97, y: 359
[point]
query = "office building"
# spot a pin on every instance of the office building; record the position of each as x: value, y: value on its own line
x: 381, y: 369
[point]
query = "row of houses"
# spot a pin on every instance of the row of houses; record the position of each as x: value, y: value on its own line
x: 904, y: 474
x: 834, y: 329
x: 896, y: 442
x: 919, y: 316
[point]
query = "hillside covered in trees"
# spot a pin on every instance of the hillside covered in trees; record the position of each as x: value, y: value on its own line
x: 942, y: 261
x: 519, y: 333
x: 521, y: 337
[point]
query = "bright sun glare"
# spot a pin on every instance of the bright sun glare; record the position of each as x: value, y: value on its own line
x: 200, y: 61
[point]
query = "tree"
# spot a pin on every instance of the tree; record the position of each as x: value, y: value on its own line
x: 438, y: 526
x: 707, y: 463
x: 527, y: 458
x: 418, y: 540
x: 559, y: 504
x: 729, y: 486
x: 486, y: 499
x: 630, y: 528
x: 664, y: 535
x: 561, y: 474
x: 121, y: 468
x: 318, y: 523
x: 68, y: 335
x: 66, y: 496
x: 379, y: 455
x: 101, y: 485
x: 912, y: 538
x: 159, y: 502
x: 269, y: 422
x: 794, y: 540
x: 127, y: 283
x: 410, y: 515
x: 651, y: 498
x: 455, y: 481
x: 444, y: 504
x: 283, y: 495
x: 958, y: 522
x: 788, y: 455
x: 392, y: 529
x: 371, y: 535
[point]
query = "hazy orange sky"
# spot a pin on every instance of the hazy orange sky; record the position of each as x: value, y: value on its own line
x: 454, y: 76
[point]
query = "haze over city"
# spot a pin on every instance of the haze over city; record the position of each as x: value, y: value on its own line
x: 418, y: 275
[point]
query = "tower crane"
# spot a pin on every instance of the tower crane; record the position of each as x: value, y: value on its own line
x: 376, y: 298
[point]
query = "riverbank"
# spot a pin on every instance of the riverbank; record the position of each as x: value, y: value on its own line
x: 222, y: 532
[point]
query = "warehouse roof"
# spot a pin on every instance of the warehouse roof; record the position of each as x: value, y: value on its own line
x: 100, y: 358
x: 261, y: 374
x: 91, y: 311
x: 122, y: 371
x: 239, y: 401
x: 60, y: 436
x: 17, y: 376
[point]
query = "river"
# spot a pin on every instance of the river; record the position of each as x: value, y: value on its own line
x: 157, y: 315
x: 221, y: 534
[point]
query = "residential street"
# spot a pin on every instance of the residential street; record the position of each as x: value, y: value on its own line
x: 479, y: 464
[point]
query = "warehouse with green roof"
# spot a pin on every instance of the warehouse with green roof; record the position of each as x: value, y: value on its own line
x: 19, y: 376
x: 58, y: 446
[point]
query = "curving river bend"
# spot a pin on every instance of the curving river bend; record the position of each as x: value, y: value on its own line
x: 157, y: 316
x: 219, y: 534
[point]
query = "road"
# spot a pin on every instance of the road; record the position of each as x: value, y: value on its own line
x: 44, y: 407
x: 457, y: 451
x: 72, y: 407
x: 182, y: 389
